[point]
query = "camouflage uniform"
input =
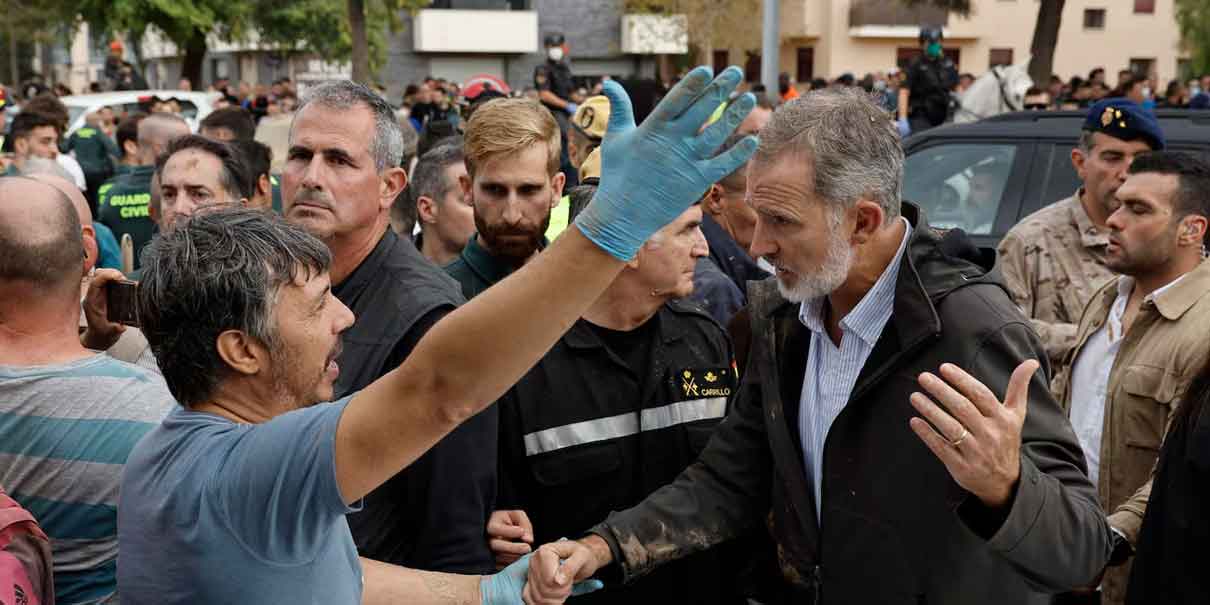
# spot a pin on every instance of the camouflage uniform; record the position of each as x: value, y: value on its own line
x: 1053, y: 261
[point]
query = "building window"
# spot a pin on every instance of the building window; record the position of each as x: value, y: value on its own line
x: 1094, y: 18
x: 1142, y: 66
x: 805, y: 71
x: 752, y: 68
x: 1144, y: 7
x: 720, y: 59
x: 1000, y: 56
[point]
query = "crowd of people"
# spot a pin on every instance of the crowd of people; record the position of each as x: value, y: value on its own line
x: 406, y: 355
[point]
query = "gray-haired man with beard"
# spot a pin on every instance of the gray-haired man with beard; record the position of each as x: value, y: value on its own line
x: 870, y: 309
x: 340, y: 180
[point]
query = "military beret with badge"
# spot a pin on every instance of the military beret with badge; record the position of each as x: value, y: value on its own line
x: 1126, y: 120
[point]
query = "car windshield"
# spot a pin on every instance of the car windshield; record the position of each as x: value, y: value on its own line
x: 959, y: 186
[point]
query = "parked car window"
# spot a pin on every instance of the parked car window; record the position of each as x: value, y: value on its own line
x: 959, y: 185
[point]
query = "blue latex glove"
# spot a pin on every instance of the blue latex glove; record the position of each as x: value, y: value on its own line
x: 571, y: 108
x: 905, y: 129
x: 652, y: 173
x: 504, y: 588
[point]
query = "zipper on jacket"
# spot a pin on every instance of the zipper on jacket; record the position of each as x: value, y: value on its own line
x: 817, y: 585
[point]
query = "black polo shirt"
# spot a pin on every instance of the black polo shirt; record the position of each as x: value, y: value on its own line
x: 433, y: 514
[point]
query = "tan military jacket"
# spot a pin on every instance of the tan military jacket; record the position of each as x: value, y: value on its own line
x: 1165, y: 347
x: 1053, y: 261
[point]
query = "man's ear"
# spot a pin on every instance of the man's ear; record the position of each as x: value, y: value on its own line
x: 868, y: 219
x: 465, y: 184
x: 712, y: 202
x: 242, y: 353
x: 394, y: 181
x: 130, y: 149
x: 557, y: 184
x: 91, y: 248
x: 1077, y: 161
x: 264, y: 186
x: 426, y: 210
x: 20, y: 146
x: 1193, y: 232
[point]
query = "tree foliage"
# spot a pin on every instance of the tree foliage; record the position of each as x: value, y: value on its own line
x: 1193, y: 19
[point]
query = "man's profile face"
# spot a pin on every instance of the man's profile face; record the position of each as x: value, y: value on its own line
x: 1103, y: 168
x: 330, y: 185
x: 308, y: 322
x: 667, y: 260
x: 455, y: 215
x: 41, y: 142
x: 796, y: 230
x: 191, y: 179
x: 512, y: 196
x: 1143, y: 230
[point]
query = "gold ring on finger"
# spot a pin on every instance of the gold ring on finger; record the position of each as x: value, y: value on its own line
x: 961, y: 438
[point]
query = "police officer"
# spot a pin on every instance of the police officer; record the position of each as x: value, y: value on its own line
x: 924, y: 97
x: 622, y: 403
x: 553, y: 80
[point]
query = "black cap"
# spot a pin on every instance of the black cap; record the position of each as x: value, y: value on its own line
x: 555, y: 39
x: 930, y: 34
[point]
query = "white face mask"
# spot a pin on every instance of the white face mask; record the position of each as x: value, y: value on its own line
x: 555, y: 53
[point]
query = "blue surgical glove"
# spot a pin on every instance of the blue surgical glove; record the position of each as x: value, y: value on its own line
x: 652, y: 173
x: 571, y: 108
x: 904, y: 128
x: 504, y: 587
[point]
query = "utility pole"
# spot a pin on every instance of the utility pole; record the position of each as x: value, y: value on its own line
x: 770, y: 50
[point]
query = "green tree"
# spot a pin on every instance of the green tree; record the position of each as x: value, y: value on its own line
x: 187, y: 23
x: 1193, y: 18
x: 364, y: 38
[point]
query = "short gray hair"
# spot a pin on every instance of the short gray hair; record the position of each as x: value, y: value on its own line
x: 221, y: 269
x: 387, y: 144
x: 850, y: 142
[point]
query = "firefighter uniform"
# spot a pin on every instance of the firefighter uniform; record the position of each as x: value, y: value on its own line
x: 608, y: 417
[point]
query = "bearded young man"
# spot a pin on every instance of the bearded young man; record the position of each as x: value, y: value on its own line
x: 513, y: 182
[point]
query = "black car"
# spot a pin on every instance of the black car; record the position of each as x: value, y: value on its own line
x: 986, y: 176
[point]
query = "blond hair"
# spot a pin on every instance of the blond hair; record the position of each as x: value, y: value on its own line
x: 508, y: 126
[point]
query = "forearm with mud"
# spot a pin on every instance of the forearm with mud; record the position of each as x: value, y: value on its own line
x: 386, y: 584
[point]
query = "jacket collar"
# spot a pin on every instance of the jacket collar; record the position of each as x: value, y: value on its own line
x: 352, y: 286
x: 1173, y: 302
x: 582, y: 336
x: 489, y: 268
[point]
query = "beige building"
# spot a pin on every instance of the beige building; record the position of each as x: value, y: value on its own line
x: 826, y: 38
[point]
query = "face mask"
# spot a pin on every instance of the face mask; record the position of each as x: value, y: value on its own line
x: 555, y: 54
x: 1146, y: 92
x: 933, y: 49
x: 879, y: 85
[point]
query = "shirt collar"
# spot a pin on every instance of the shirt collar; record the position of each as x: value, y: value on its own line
x: 867, y: 319
x: 1090, y: 236
x: 488, y: 267
x: 1177, y: 297
x: 352, y: 285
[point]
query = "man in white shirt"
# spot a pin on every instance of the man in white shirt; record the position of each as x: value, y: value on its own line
x: 1141, y: 339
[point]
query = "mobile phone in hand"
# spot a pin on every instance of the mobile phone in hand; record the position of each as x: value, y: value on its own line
x: 121, y: 300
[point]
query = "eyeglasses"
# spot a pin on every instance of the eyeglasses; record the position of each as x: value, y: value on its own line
x: 1037, y: 106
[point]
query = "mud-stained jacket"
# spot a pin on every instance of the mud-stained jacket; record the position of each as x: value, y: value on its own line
x: 896, y: 528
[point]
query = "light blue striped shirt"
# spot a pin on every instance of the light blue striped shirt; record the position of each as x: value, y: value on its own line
x: 832, y: 371
x: 65, y: 432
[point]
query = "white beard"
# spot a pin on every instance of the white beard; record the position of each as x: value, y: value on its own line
x: 828, y: 278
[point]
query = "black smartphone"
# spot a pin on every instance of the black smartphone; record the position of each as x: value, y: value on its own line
x: 121, y: 300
